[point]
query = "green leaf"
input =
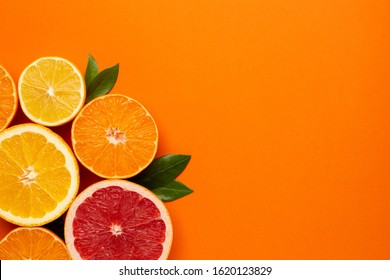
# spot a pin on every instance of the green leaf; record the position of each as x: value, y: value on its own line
x: 162, y: 171
x: 172, y: 191
x: 103, y: 82
x: 92, y: 70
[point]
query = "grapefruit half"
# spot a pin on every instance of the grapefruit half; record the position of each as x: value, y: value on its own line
x: 118, y: 220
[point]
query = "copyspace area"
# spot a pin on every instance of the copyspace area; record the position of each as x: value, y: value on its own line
x: 283, y: 105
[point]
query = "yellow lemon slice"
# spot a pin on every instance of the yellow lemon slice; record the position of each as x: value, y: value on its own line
x: 39, y: 175
x: 51, y: 91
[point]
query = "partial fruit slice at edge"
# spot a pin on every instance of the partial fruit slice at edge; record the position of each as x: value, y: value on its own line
x: 114, y: 136
x: 8, y: 99
x: 51, y: 91
x: 33, y: 244
x: 118, y: 219
x: 39, y: 175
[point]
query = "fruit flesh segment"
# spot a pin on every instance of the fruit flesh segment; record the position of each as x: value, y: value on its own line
x: 7, y: 100
x: 118, y: 224
x: 32, y: 244
x: 122, y: 137
x: 51, y: 90
x: 30, y: 168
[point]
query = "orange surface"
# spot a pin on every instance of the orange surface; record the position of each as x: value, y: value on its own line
x: 130, y: 129
x: 283, y: 105
x: 33, y: 243
x: 8, y: 99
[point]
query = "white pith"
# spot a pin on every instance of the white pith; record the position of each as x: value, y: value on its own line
x: 50, y: 91
x: 28, y: 177
x: 116, y: 229
x: 115, y: 136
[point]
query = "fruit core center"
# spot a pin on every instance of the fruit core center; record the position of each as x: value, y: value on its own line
x: 116, y: 230
x: 50, y: 91
x: 28, y: 176
x: 115, y: 136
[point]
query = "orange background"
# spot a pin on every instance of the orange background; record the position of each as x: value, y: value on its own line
x: 283, y: 105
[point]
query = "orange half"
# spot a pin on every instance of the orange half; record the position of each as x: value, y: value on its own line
x: 114, y: 136
x: 39, y: 175
x: 8, y: 99
x: 33, y: 244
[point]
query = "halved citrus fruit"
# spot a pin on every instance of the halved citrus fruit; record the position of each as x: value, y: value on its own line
x: 51, y: 91
x: 118, y: 219
x: 36, y: 243
x: 8, y: 99
x: 39, y: 175
x: 114, y: 136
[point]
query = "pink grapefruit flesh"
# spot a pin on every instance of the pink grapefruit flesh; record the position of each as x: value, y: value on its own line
x: 117, y: 219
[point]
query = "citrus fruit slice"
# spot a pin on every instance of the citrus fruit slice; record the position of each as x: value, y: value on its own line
x: 8, y: 99
x: 114, y: 136
x: 39, y: 175
x: 118, y: 219
x: 51, y: 91
x: 24, y: 243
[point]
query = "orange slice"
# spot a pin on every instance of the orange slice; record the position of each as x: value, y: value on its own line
x: 114, y: 136
x: 118, y: 219
x: 8, y: 99
x: 33, y: 244
x: 51, y: 91
x: 39, y: 175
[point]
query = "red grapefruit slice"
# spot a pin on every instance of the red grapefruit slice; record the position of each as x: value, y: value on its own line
x: 117, y: 219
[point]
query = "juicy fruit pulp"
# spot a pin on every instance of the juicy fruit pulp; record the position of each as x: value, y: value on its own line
x: 51, y: 91
x: 117, y: 219
x: 33, y: 244
x: 114, y: 136
x: 39, y: 175
x: 143, y: 226
x: 8, y: 99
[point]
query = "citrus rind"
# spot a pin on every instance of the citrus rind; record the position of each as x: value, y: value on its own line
x: 70, y: 164
x: 91, y: 168
x: 15, y: 105
x: 41, y: 120
x: 128, y: 186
